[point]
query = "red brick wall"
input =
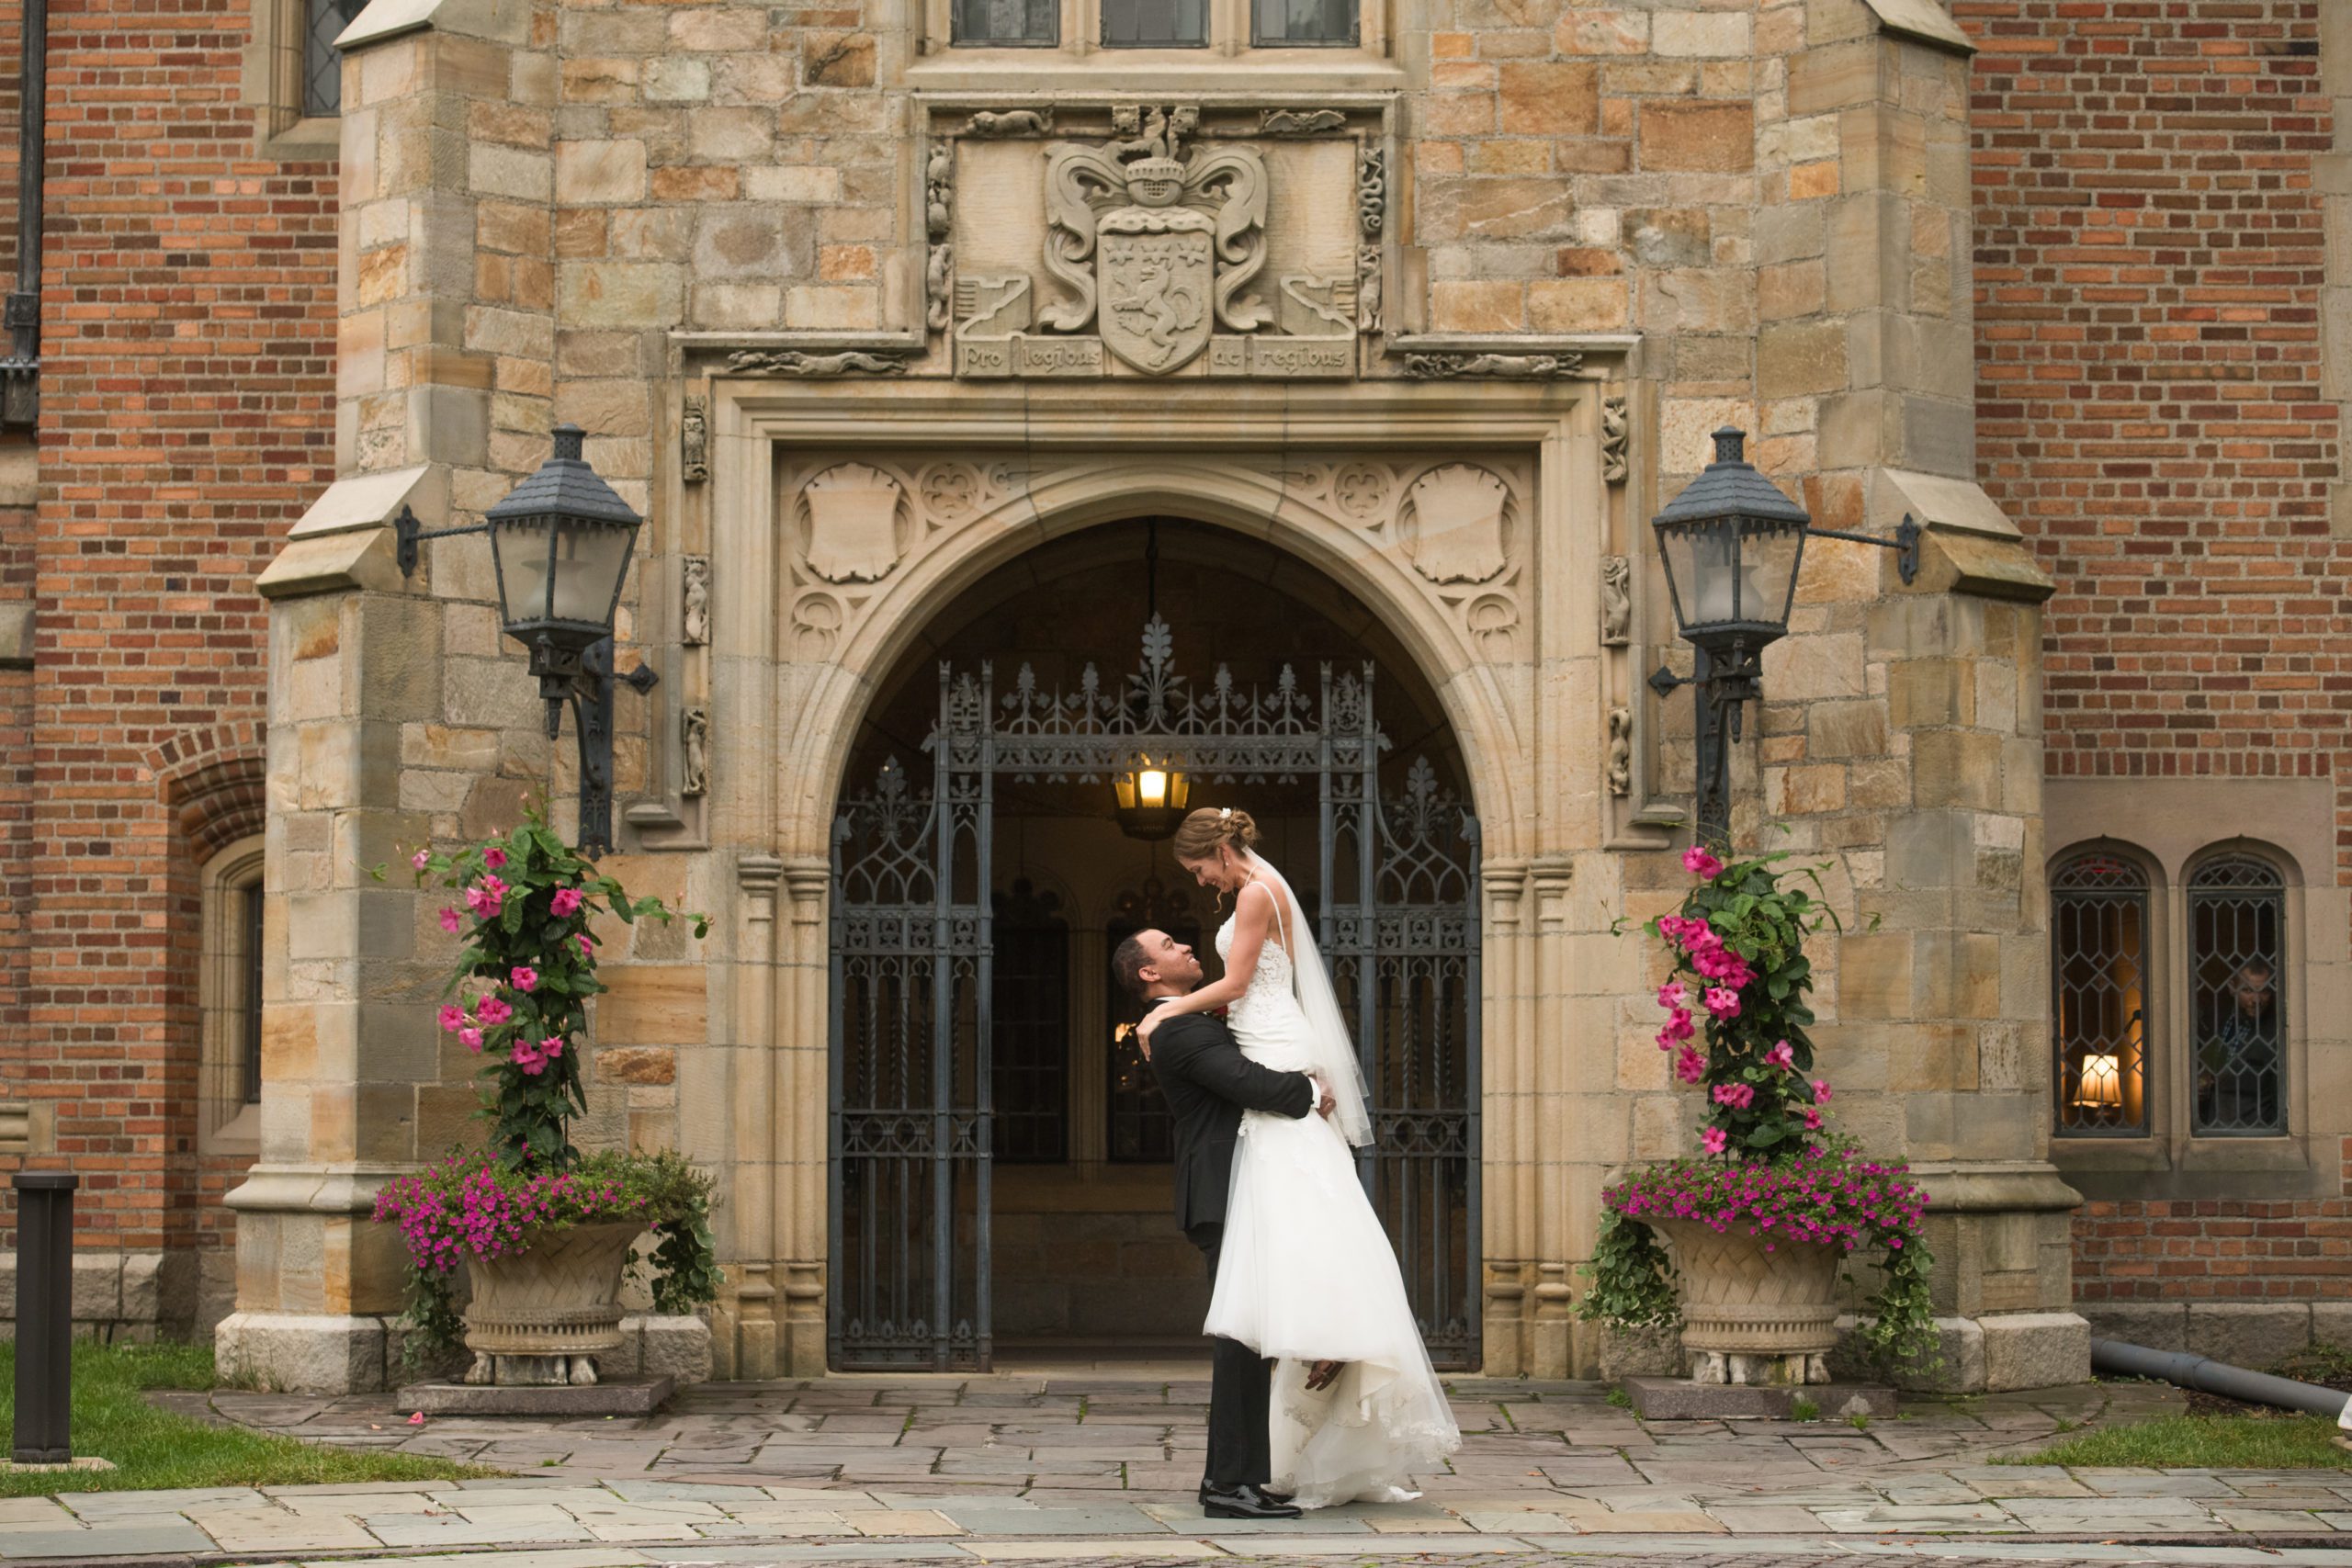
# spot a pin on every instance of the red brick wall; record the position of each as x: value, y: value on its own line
x: 2148, y: 268
x: 2215, y: 1250
x: 188, y: 413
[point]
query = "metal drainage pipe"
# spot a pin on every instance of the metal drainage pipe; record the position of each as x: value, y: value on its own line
x: 2113, y: 1356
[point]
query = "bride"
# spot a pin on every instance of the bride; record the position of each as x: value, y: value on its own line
x: 1307, y: 1276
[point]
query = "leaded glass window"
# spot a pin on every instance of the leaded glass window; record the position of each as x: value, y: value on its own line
x: 1031, y: 996
x: 1296, y: 24
x: 1155, y: 24
x: 324, y: 21
x: 1002, y: 24
x: 2236, y: 918
x: 2099, y: 975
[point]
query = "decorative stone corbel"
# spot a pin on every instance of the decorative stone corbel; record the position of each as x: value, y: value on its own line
x: 1495, y: 367
x: 694, y: 622
x: 1616, y: 601
x: 694, y: 440
x: 1621, y: 752
x: 794, y: 361
x: 695, y: 777
x: 1616, y: 434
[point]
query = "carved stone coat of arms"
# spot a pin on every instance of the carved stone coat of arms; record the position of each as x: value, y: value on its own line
x: 1155, y: 245
x: 1148, y: 251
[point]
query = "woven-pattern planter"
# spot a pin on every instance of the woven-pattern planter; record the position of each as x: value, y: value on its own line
x: 544, y: 1314
x: 1750, y: 1316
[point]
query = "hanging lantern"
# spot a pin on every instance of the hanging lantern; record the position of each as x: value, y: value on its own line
x: 1152, y: 797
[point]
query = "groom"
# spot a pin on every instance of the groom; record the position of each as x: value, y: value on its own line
x: 1209, y: 1083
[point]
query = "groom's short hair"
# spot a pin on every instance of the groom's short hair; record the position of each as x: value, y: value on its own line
x: 1128, y: 963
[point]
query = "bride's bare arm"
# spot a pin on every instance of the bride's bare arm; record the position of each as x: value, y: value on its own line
x: 1253, y: 916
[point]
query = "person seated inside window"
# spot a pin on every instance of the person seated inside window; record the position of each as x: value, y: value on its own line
x: 2237, y: 1078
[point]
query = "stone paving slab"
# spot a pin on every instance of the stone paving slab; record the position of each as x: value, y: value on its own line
x: 1063, y: 1464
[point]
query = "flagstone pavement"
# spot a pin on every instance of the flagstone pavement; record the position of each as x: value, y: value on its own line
x: 1086, y: 1462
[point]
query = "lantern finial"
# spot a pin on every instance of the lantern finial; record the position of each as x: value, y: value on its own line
x: 1730, y: 443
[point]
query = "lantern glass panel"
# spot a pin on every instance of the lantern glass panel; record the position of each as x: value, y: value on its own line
x: 560, y: 571
x: 1770, y: 556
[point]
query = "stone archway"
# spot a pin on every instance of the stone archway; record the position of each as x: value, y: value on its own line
x: 975, y: 1197
x: 1431, y: 505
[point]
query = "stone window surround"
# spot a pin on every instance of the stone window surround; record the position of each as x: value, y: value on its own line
x: 1081, y: 60
x: 226, y: 1124
x: 272, y: 85
x: 2181, y: 1163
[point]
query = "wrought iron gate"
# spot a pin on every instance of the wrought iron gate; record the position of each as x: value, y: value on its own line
x: 911, y: 1120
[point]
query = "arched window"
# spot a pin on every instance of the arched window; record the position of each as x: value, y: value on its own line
x: 2237, y: 907
x: 229, y: 995
x: 2098, y: 980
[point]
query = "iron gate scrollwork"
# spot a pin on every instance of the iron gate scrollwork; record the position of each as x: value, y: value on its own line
x: 912, y: 1133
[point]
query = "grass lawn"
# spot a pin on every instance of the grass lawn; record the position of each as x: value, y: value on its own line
x: 2223, y: 1443
x: 153, y: 1448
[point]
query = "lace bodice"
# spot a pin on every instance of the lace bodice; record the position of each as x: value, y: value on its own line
x: 1272, y: 977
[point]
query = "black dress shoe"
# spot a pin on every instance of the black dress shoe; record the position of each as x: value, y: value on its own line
x: 1246, y: 1502
x: 1269, y: 1497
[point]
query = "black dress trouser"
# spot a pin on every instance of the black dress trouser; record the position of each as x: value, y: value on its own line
x: 1240, y: 1392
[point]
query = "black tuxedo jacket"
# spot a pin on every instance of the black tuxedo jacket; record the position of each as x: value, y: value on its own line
x: 1209, y: 1083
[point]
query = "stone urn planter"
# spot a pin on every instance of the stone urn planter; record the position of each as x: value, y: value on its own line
x: 1750, y: 1316
x: 543, y: 1316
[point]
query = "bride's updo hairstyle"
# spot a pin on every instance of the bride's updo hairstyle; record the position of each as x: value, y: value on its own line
x: 1204, y: 831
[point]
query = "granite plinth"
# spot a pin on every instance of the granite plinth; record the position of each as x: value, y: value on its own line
x: 619, y: 1396
x: 1678, y: 1399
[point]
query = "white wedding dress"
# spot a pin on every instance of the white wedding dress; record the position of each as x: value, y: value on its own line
x: 1308, y: 1274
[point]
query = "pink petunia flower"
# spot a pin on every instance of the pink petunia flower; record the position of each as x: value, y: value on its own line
x: 1690, y: 1066
x: 1739, y: 1096
x: 1782, y: 1057
x: 453, y: 1018
x: 1723, y: 1002
x: 1714, y: 1139
x: 450, y: 921
x: 587, y: 948
x: 1679, y: 1026
x: 493, y: 857
x: 525, y: 979
x: 1701, y: 864
x: 421, y: 859
x: 1672, y: 994
x: 1821, y: 1091
x: 1813, y: 1119
x: 566, y: 901
x: 471, y: 1038
x: 552, y: 1045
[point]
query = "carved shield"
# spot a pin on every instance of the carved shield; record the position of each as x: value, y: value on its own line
x: 1157, y: 268
x: 1456, y: 527
x: 852, y: 523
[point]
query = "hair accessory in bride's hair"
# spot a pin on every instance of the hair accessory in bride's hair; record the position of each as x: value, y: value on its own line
x: 1223, y: 812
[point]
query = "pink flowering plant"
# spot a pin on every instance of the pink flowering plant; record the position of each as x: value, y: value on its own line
x: 471, y: 1206
x: 523, y: 905
x: 1736, y: 1026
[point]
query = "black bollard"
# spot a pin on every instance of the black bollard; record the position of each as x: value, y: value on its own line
x: 45, y: 1316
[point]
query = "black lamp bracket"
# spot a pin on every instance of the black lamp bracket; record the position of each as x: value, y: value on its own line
x: 1906, y: 544
x: 410, y: 533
